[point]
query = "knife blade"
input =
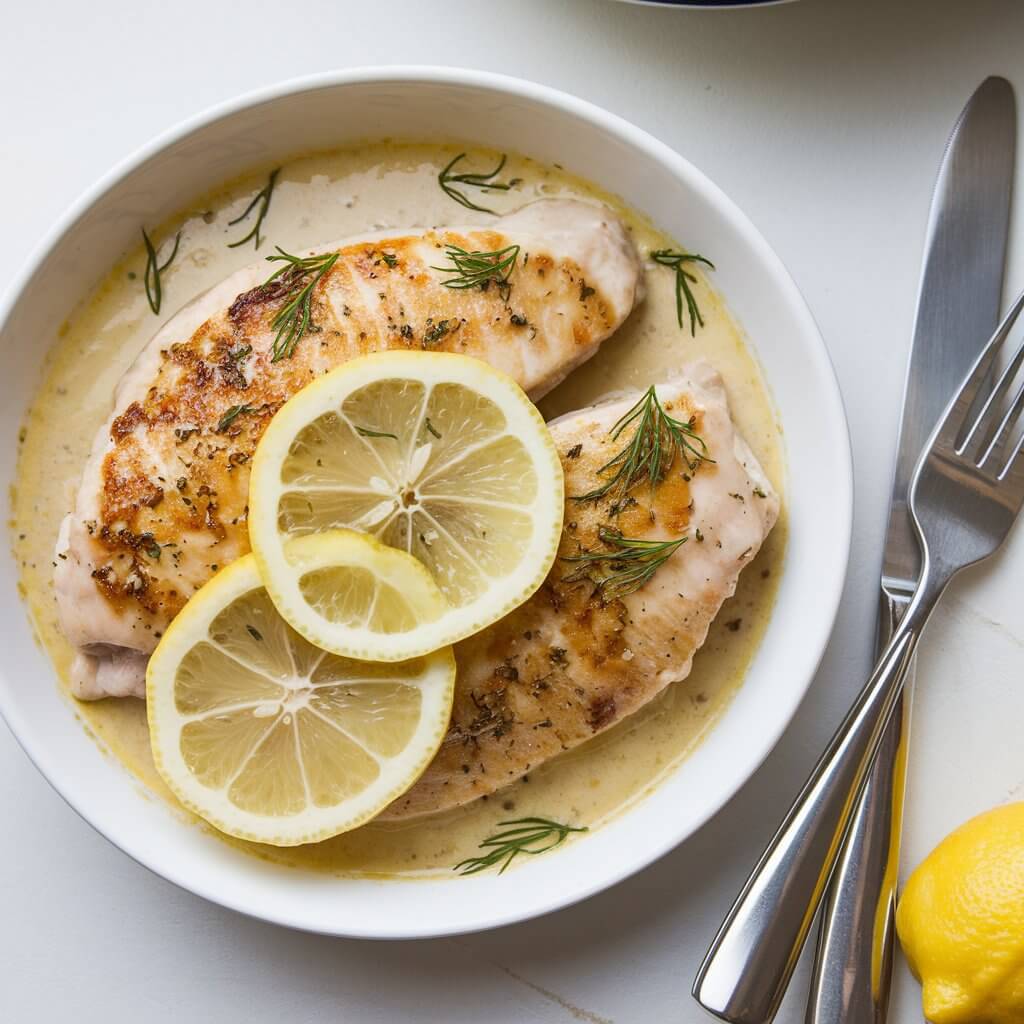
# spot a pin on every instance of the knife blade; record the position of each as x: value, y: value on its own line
x: 958, y: 307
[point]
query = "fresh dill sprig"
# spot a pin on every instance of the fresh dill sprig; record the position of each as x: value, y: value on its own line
x: 524, y: 835
x: 627, y: 566
x: 651, y: 451
x: 367, y: 432
x: 482, y: 180
x: 262, y: 199
x: 154, y: 268
x: 231, y: 415
x: 676, y: 260
x: 298, y: 277
x: 479, y: 269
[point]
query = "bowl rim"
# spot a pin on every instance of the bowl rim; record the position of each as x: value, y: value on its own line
x: 597, y: 117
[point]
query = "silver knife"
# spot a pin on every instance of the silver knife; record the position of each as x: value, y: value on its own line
x: 957, y: 309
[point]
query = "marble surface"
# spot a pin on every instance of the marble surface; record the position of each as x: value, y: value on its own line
x: 825, y: 121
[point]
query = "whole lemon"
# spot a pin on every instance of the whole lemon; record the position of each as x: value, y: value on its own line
x: 961, y: 922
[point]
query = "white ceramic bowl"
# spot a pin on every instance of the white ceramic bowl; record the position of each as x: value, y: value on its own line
x: 505, y: 113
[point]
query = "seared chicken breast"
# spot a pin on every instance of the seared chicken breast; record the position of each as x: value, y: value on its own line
x: 162, y: 502
x: 590, y: 647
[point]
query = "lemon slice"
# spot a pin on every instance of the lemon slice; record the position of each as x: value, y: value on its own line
x: 438, y: 455
x: 269, y: 738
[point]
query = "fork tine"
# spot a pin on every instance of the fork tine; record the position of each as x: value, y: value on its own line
x: 997, y: 446
x: 953, y: 432
x: 995, y: 436
x: 1013, y: 465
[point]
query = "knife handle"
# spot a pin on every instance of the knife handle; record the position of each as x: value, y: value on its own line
x: 851, y: 978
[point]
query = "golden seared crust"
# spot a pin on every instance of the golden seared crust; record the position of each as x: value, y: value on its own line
x: 569, y: 664
x: 174, y: 480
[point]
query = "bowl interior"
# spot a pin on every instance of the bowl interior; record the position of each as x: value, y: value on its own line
x: 507, y: 114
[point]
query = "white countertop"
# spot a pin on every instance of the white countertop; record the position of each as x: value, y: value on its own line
x: 825, y: 121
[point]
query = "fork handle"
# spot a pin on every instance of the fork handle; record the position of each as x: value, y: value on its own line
x: 851, y: 977
x: 745, y: 972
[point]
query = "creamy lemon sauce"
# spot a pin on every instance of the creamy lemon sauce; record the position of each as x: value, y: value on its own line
x: 330, y: 196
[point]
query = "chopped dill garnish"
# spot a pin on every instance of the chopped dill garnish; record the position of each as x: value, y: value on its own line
x: 154, y: 268
x: 671, y: 258
x: 389, y: 258
x: 150, y: 546
x: 482, y: 180
x: 298, y: 277
x: 231, y: 415
x: 627, y: 566
x: 366, y: 432
x: 435, y: 332
x: 254, y: 632
x: 431, y: 429
x: 261, y: 199
x: 522, y: 836
x: 479, y: 269
x: 651, y: 451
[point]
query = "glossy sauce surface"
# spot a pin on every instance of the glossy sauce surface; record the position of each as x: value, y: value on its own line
x: 334, y: 195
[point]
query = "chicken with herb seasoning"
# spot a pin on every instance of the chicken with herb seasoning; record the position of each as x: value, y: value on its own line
x: 162, y: 504
x: 667, y: 505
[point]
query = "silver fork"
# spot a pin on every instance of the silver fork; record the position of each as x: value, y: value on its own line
x: 965, y: 494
